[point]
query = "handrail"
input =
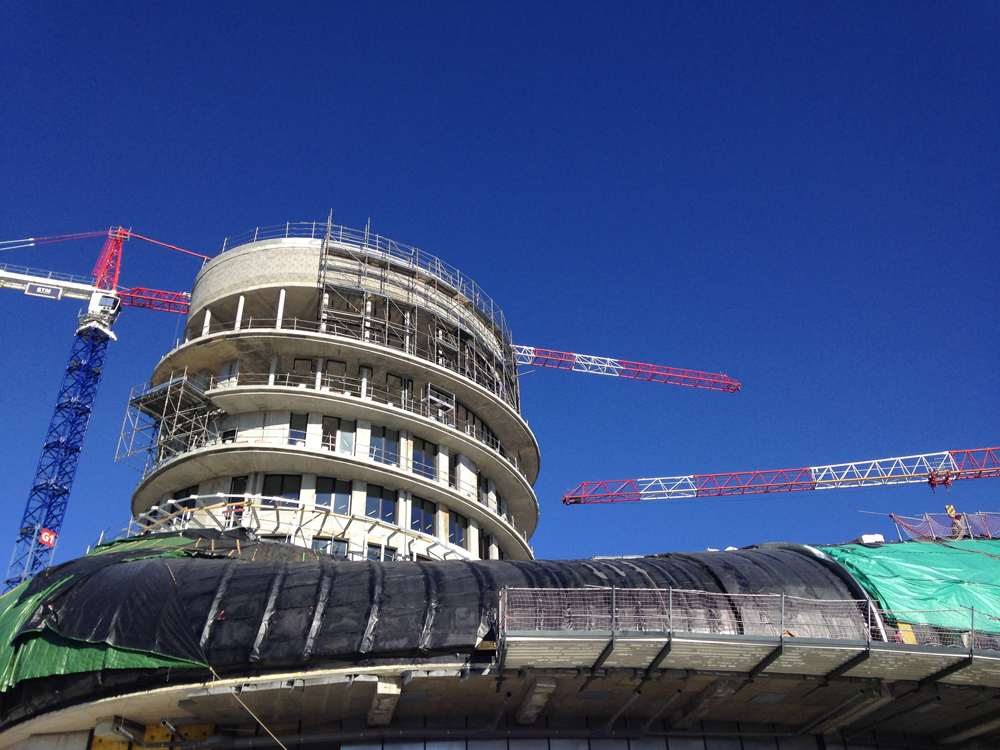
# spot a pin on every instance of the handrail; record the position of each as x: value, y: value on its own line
x: 616, y: 609
x: 54, y: 275
x: 374, y: 245
x: 483, y: 378
x: 365, y: 390
x: 245, y: 512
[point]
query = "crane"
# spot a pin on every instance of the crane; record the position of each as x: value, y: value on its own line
x: 49, y: 494
x: 529, y: 355
x: 935, y: 469
x: 43, y: 514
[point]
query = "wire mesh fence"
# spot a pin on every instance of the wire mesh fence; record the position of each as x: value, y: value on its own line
x: 682, y: 611
x: 933, y: 527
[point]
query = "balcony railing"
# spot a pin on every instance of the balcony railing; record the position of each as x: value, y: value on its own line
x: 561, y: 611
x: 292, y: 519
x: 359, y: 241
x: 283, y: 435
x: 426, y: 407
x: 488, y: 379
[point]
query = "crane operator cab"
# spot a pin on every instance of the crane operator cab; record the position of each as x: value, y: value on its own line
x: 102, y: 311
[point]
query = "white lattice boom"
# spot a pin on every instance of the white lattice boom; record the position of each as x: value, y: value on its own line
x: 935, y: 469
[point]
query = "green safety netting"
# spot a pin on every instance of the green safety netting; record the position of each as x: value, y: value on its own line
x: 935, y: 583
x: 40, y: 653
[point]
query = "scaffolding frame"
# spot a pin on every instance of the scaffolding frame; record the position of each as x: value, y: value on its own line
x: 165, y: 420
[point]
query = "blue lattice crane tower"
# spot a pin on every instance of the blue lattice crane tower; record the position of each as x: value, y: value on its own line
x: 53, y: 480
x: 43, y: 515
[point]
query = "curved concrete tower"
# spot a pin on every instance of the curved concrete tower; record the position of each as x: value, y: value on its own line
x: 343, y: 392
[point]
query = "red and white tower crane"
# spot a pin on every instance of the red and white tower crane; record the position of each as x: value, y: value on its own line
x: 46, y: 507
x: 50, y: 488
x: 935, y: 469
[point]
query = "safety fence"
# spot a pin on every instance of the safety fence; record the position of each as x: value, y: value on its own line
x: 428, y: 405
x: 374, y: 245
x: 321, y: 527
x: 932, y: 527
x: 54, y: 275
x: 613, y: 609
x: 394, y: 337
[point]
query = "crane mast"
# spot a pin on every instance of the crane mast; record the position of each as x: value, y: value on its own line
x: 50, y: 488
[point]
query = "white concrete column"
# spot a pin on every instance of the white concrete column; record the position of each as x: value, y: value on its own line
x: 314, y: 431
x: 472, y: 538
x: 239, y: 313
x: 281, y: 308
x: 441, y: 522
x: 492, y: 495
x: 319, y: 372
x: 405, y: 450
x: 359, y: 495
x: 442, y: 464
x: 403, y: 506
x: 362, y: 439
x: 270, y: 374
x: 208, y: 321
x: 366, y: 374
x: 465, y: 477
x: 307, y: 493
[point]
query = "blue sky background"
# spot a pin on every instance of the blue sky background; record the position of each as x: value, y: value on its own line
x: 803, y: 196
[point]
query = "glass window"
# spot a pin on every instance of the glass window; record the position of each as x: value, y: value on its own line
x: 398, y: 389
x: 238, y: 485
x: 302, y: 371
x: 297, y: 429
x: 286, y: 486
x: 457, y: 528
x: 385, y: 445
x: 331, y: 425
x: 335, y: 547
x: 424, y: 458
x: 381, y: 503
x: 334, y: 494
x: 453, y: 470
x: 422, y: 514
x: 229, y: 436
x: 186, y: 498
x: 347, y: 428
x: 335, y: 377
x: 374, y: 552
x: 484, y: 546
x: 483, y: 485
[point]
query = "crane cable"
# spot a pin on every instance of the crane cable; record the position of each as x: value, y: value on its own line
x: 32, y: 241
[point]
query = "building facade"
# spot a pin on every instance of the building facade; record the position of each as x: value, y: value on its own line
x: 329, y: 548
x: 342, y: 392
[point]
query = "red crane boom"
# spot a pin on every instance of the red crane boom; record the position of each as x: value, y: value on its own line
x: 935, y: 469
x: 622, y: 368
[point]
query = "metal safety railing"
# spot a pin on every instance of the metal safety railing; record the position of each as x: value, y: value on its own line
x: 286, y: 519
x: 376, y: 246
x: 54, y: 275
x: 491, y: 380
x: 614, y: 609
x: 364, y: 389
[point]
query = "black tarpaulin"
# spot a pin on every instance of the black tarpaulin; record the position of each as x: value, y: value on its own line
x: 229, y: 600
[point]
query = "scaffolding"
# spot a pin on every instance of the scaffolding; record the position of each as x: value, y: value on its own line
x: 398, y: 296
x: 166, y: 420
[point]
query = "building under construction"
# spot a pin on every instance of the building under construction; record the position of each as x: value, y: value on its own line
x: 329, y: 546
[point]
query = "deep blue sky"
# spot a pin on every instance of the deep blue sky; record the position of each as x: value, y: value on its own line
x: 801, y: 195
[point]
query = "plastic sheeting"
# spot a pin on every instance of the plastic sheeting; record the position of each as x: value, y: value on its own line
x: 238, y: 604
x: 225, y: 600
x: 933, y: 583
